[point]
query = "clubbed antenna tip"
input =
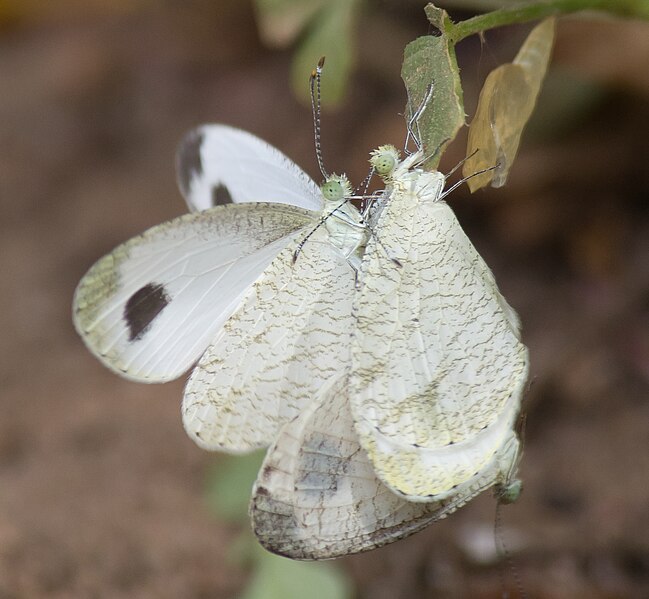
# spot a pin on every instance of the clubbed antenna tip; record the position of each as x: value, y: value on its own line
x: 315, y: 107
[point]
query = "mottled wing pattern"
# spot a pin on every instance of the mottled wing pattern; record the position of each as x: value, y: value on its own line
x: 317, y: 496
x: 150, y: 308
x: 437, y: 366
x: 288, y: 338
x: 217, y: 165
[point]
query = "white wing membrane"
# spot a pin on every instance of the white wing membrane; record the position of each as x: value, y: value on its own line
x: 317, y: 496
x: 437, y: 366
x: 150, y: 308
x: 217, y: 165
x: 287, y: 339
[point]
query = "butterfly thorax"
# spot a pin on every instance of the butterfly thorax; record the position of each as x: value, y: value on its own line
x: 423, y: 185
x: 344, y: 224
x: 346, y: 229
x: 403, y: 176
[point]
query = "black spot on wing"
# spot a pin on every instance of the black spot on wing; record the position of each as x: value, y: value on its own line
x: 188, y: 161
x: 263, y: 491
x: 221, y: 196
x: 142, y: 308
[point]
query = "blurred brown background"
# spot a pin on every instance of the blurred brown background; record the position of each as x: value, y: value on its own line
x: 101, y: 492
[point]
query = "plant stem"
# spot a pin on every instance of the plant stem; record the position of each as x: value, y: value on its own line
x: 547, y: 8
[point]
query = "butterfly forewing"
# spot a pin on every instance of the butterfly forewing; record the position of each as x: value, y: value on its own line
x: 150, y: 308
x: 437, y: 366
x: 217, y: 165
x: 287, y: 339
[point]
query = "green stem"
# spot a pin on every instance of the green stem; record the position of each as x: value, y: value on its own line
x: 547, y: 8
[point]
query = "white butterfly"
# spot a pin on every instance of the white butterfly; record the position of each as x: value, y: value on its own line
x: 151, y: 307
x: 438, y: 369
x: 422, y: 420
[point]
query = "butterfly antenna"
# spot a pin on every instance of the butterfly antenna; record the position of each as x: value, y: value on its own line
x: 300, y: 245
x: 314, y: 83
x: 465, y: 179
x: 374, y: 234
x: 413, y: 121
x: 322, y: 221
x: 364, y: 186
x: 503, y: 552
x: 434, y: 153
x: 459, y: 164
x: 365, y: 183
x: 409, y: 131
x: 368, y: 202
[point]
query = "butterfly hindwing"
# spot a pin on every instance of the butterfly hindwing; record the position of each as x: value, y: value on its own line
x: 317, y: 496
x: 218, y: 165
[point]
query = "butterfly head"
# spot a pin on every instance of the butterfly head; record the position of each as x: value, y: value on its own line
x: 336, y: 188
x: 384, y: 161
x: 509, y: 492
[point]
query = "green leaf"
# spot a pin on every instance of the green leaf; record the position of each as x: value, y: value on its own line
x: 431, y: 60
x: 435, y: 16
x: 230, y: 483
x: 330, y: 34
x: 438, y: 18
x: 280, y: 578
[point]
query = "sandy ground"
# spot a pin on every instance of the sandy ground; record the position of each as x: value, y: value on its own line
x: 101, y: 492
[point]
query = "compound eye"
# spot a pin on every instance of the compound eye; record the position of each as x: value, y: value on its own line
x: 384, y: 160
x: 332, y: 190
x: 336, y: 187
x: 384, y: 164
